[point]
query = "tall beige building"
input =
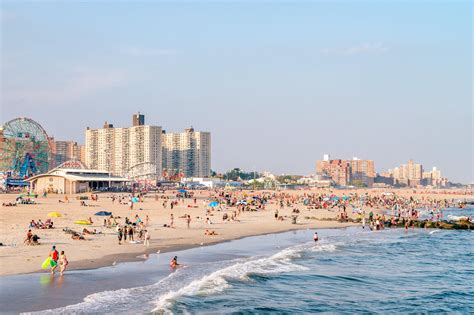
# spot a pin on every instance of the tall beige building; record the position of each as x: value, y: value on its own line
x: 134, y: 151
x: 66, y: 150
x: 410, y: 174
x: 187, y: 153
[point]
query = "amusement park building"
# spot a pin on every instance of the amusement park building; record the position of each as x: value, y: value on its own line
x: 73, y: 180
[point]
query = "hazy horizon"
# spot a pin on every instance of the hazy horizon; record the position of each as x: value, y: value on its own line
x: 277, y: 84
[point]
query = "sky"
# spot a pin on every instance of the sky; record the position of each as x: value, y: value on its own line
x: 278, y: 84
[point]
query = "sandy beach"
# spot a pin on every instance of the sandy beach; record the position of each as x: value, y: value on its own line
x: 103, y: 249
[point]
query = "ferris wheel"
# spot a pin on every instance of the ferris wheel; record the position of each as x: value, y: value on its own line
x: 24, y: 148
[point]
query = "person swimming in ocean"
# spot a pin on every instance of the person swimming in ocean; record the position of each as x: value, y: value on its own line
x: 315, y: 237
x: 174, y: 262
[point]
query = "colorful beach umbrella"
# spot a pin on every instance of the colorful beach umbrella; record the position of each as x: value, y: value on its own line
x: 182, y: 190
x: 213, y: 204
x: 54, y: 215
x: 103, y: 213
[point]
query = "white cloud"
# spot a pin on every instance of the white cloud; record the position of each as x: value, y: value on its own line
x: 76, y: 84
x: 144, y: 52
x: 362, y: 48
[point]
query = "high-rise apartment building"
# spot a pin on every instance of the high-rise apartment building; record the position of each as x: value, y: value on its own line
x: 347, y: 172
x: 133, y: 151
x: 336, y: 170
x: 362, y: 171
x: 434, y: 178
x: 410, y: 174
x: 138, y: 120
x: 187, y: 153
x: 65, y: 151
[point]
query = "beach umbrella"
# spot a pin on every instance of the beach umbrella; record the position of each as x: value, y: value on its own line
x: 134, y: 199
x: 54, y: 215
x: 213, y: 204
x: 182, y: 190
x: 103, y: 213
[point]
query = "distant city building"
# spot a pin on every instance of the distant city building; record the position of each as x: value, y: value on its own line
x: 434, y: 178
x: 362, y: 172
x: 65, y: 151
x: 187, y: 153
x: 336, y: 170
x: 347, y: 172
x: 138, y: 120
x: 134, y: 152
x: 384, y: 178
x: 413, y: 175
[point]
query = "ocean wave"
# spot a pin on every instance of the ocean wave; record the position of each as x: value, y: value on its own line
x: 217, y: 281
x: 200, y: 280
x: 324, y: 248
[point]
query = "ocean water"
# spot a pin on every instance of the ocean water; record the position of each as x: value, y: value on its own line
x: 348, y: 271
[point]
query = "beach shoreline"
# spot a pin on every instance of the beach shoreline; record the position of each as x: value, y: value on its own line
x: 111, y: 259
x: 103, y: 250
x: 73, y: 288
x: 126, y: 257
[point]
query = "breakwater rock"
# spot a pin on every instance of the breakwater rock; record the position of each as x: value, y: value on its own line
x: 448, y: 225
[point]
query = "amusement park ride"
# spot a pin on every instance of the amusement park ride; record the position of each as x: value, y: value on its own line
x: 25, y: 151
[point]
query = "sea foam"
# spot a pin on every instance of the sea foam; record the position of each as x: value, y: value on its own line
x: 201, y: 280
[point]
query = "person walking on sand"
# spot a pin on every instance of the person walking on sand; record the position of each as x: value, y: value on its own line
x: 130, y: 233
x: 54, y: 259
x: 172, y: 221
x: 188, y: 220
x: 120, y: 234
x: 146, y: 241
x: 63, y: 262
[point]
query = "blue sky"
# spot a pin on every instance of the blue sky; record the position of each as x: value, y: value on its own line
x: 277, y: 83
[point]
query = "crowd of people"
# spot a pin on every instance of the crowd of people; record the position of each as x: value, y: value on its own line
x: 135, y: 231
x: 48, y: 224
x: 231, y: 204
